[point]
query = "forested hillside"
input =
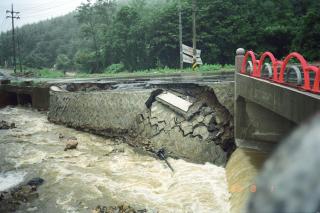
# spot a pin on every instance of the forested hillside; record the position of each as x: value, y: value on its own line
x: 142, y: 35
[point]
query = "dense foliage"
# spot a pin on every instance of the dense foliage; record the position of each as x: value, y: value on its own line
x: 143, y: 34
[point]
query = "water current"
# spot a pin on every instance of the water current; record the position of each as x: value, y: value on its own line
x: 100, y: 171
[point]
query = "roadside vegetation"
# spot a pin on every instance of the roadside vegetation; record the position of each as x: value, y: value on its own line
x: 117, y: 71
x: 40, y: 73
x: 109, y: 37
x: 209, y: 69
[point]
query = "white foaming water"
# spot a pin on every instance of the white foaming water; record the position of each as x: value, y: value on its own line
x: 79, y: 180
x: 11, y: 179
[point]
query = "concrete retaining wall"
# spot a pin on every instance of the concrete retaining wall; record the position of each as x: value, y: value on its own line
x: 225, y: 95
x: 105, y: 112
x: 36, y: 96
x: 206, y: 136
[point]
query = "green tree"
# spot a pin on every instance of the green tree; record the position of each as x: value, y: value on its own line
x: 63, y: 62
x: 143, y: 34
x: 85, y: 60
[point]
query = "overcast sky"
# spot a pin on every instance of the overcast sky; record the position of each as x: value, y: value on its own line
x: 35, y: 10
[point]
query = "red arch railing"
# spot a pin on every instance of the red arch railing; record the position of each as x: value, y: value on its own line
x: 254, y: 63
x: 279, y: 76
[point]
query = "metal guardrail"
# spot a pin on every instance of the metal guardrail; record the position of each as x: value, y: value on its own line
x: 302, y: 76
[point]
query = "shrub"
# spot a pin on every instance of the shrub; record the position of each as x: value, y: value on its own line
x: 115, y: 68
x: 46, y: 73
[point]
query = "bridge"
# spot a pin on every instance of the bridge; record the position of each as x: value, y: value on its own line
x: 272, y: 97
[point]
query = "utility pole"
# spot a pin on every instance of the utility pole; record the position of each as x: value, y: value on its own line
x: 13, y: 15
x: 194, y: 31
x: 180, y: 35
x: 19, y: 52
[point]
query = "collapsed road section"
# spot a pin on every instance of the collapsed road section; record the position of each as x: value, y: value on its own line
x: 188, y: 121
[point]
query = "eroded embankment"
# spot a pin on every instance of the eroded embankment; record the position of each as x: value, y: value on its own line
x: 202, y: 133
x: 100, y: 172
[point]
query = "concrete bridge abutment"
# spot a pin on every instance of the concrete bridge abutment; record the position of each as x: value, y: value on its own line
x: 266, y: 112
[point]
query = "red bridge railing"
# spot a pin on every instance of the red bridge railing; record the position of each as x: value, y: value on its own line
x: 279, y: 70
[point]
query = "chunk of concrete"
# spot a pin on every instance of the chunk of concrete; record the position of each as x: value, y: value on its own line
x: 206, y: 111
x: 194, y: 109
x: 201, y: 131
x: 200, y: 118
x: 207, y: 119
x: 174, y: 101
x: 57, y: 89
x: 186, y: 128
x: 221, y: 118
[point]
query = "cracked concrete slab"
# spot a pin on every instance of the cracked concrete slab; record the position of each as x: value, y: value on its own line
x: 174, y: 101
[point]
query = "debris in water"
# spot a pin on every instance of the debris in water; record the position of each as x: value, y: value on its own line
x: 61, y: 136
x: 6, y: 125
x: 72, y: 143
x: 117, y: 209
x: 161, y: 155
x: 35, y: 182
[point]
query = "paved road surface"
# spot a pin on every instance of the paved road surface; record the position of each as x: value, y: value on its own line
x: 199, y: 78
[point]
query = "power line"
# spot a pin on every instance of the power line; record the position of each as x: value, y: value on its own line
x: 39, y: 13
x: 45, y: 5
x: 6, y: 25
x: 4, y: 19
x: 3, y: 25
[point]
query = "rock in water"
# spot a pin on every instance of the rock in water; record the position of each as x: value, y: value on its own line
x: 72, y: 143
x: 289, y: 181
x: 61, y: 136
x: 117, y: 209
x: 35, y: 182
x: 6, y: 125
x: 20, y: 196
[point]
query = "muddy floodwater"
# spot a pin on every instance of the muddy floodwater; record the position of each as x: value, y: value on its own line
x: 100, y: 171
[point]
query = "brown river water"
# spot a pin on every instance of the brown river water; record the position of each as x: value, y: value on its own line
x: 101, y: 171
